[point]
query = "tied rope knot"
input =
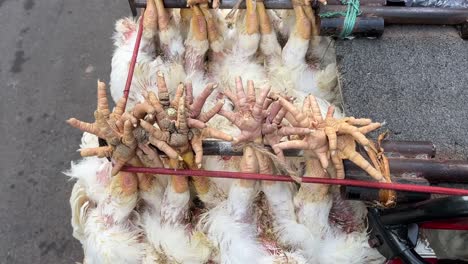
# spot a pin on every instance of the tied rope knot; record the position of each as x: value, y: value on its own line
x: 352, y: 12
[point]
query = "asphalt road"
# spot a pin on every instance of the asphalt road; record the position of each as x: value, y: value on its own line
x: 52, y: 52
x: 413, y: 78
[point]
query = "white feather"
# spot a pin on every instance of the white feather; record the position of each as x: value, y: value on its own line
x: 290, y: 233
x: 89, y: 140
x: 338, y: 247
x: 93, y: 174
x: 229, y: 226
x: 79, y: 203
x: 111, y: 243
x: 166, y: 228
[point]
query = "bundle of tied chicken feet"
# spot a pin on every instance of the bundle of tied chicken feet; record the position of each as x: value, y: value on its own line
x: 201, y: 76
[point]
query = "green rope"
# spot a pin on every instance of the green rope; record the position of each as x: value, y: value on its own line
x: 352, y: 12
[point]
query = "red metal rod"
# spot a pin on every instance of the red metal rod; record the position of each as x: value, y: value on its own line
x: 283, y: 178
x: 447, y: 225
x: 136, y: 48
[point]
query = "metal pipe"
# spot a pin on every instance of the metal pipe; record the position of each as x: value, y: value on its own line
x: 435, y: 171
x: 283, y: 178
x: 361, y: 2
x: 391, y: 14
x: 438, y: 209
x: 224, y: 4
x: 364, y: 26
x: 410, y: 15
x: 362, y: 194
x: 411, y: 148
x: 464, y: 30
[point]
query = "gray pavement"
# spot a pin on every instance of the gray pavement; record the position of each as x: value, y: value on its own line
x: 52, y: 52
x: 413, y: 78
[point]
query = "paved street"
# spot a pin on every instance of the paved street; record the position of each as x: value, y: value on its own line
x: 52, y: 52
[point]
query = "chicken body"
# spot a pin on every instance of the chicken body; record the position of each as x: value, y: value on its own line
x: 313, y: 204
x: 165, y: 223
x: 103, y: 216
x: 165, y: 57
x: 289, y: 70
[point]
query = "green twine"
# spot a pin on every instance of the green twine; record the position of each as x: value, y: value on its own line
x: 352, y: 12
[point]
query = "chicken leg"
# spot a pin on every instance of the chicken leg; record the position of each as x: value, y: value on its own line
x: 196, y: 43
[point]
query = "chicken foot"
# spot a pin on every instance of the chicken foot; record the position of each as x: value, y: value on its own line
x: 122, y: 144
x: 330, y: 133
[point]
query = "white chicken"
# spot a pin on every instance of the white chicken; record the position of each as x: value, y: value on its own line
x: 313, y: 202
x: 166, y: 57
x: 289, y: 72
x: 103, y: 216
x: 235, y: 213
x: 164, y: 217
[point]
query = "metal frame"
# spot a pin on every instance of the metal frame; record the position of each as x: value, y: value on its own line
x: 375, y: 13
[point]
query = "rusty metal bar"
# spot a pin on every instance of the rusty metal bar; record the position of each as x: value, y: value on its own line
x: 412, y: 148
x: 410, y: 15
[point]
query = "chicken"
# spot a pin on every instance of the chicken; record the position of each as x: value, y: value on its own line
x: 232, y: 223
x: 244, y: 221
x: 313, y: 202
x: 164, y: 217
x: 103, y: 218
x: 288, y: 70
x: 184, y: 133
x: 166, y: 57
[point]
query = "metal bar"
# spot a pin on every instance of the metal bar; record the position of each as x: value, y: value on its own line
x: 273, y: 4
x: 410, y: 15
x: 391, y: 14
x: 437, y: 209
x: 224, y: 4
x: 435, y: 171
x: 361, y: 2
x: 464, y: 30
x: 362, y: 194
x: 413, y: 148
x: 284, y: 178
x: 364, y: 26
x: 410, y: 147
x: 133, y: 7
